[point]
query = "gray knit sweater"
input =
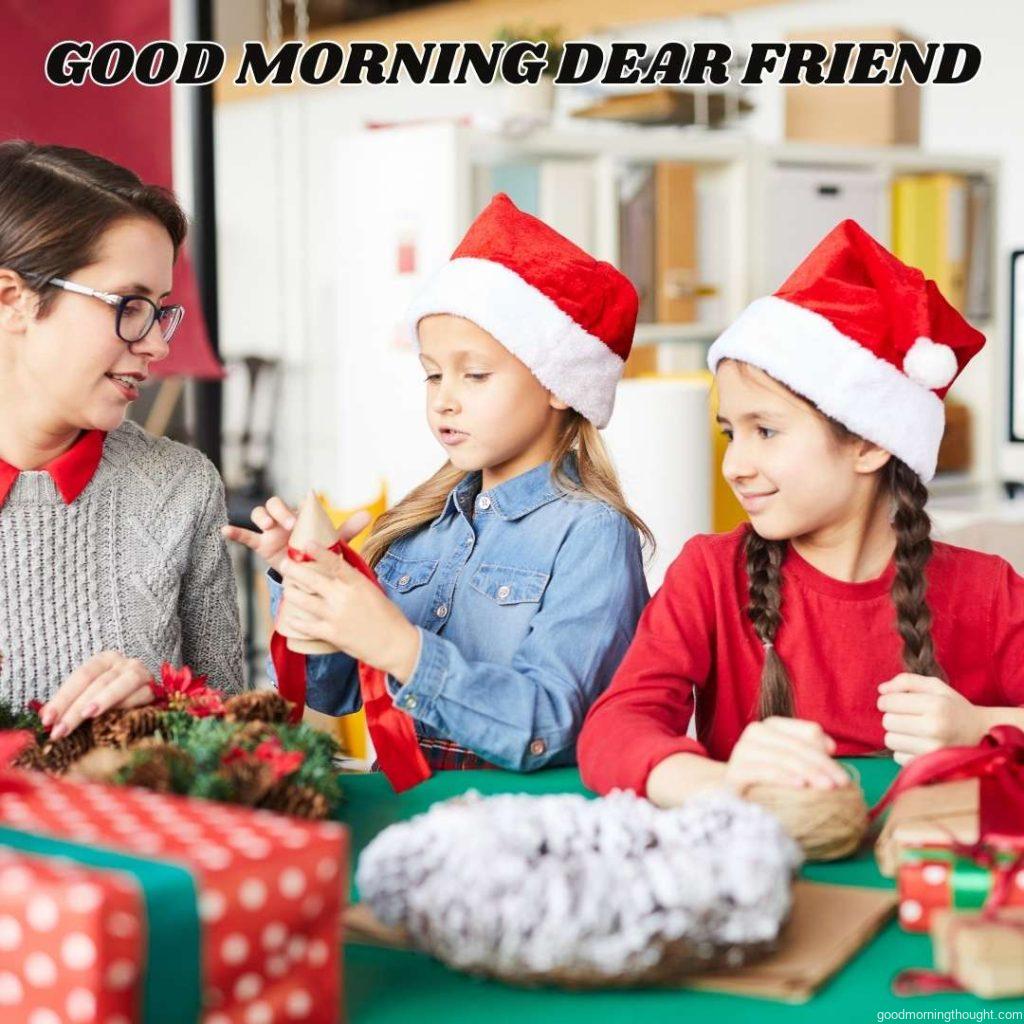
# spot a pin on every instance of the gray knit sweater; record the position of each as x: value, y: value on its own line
x: 135, y: 564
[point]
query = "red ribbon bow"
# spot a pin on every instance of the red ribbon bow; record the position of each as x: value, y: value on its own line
x: 392, y: 731
x: 997, y: 762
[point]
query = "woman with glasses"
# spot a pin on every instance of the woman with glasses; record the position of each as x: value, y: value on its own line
x: 111, y: 559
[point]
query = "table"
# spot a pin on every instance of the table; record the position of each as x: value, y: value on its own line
x: 399, y: 987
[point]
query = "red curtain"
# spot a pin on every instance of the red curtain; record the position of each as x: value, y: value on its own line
x: 128, y: 123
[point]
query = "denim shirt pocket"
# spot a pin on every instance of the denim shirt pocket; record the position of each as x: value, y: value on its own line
x: 506, y: 584
x: 405, y: 574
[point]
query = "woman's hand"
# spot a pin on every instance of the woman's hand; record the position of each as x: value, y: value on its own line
x: 921, y: 714
x: 107, y: 680
x: 785, y: 752
x: 276, y: 522
x: 339, y: 605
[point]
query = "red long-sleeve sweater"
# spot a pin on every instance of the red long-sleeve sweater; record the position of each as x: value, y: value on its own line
x: 696, y: 647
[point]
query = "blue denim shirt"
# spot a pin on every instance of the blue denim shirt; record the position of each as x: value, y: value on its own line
x: 526, y: 599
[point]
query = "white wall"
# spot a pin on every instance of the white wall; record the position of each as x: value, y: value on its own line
x: 277, y: 220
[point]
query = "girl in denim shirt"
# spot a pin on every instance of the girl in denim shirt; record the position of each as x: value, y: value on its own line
x: 513, y: 576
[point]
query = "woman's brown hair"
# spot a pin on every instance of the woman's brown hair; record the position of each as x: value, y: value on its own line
x: 56, y: 203
x: 903, y: 487
x: 578, y: 437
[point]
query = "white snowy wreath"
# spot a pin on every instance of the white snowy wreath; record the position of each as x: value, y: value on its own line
x: 567, y: 890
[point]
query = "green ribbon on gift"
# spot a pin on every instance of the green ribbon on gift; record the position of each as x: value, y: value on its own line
x: 171, y: 984
x: 969, y: 883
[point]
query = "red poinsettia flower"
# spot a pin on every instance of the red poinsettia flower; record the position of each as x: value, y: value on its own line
x: 176, y: 682
x: 282, y: 762
x: 180, y: 690
x: 35, y: 705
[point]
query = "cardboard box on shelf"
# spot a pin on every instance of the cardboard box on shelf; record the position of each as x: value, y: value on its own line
x: 854, y: 115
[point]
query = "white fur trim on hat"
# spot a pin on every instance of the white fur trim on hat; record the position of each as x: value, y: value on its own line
x: 809, y: 354
x: 932, y: 365
x: 576, y: 366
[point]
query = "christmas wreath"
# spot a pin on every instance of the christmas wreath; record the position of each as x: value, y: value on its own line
x: 196, y: 741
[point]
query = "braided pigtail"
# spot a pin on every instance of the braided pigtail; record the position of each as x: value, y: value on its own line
x: 764, y: 572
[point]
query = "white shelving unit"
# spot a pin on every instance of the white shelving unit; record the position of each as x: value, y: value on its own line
x: 420, y: 179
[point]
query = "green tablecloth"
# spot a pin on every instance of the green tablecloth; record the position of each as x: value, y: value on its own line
x: 394, y: 987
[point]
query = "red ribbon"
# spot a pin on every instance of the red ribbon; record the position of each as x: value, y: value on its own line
x: 392, y: 731
x: 997, y: 762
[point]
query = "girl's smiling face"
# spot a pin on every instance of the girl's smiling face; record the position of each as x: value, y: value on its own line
x: 485, y: 407
x: 791, y: 471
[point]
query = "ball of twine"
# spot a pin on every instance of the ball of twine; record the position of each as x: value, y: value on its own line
x: 827, y: 823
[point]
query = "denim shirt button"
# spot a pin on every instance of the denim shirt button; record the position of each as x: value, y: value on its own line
x: 442, y: 611
x: 503, y: 592
x: 484, y: 502
x: 410, y: 701
x: 403, y: 580
x: 537, y: 747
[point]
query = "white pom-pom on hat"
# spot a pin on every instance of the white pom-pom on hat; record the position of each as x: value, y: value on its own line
x: 930, y: 364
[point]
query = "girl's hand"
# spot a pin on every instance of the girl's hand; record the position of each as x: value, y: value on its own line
x: 921, y: 714
x: 785, y: 752
x: 107, y: 680
x: 342, y: 607
x: 276, y: 521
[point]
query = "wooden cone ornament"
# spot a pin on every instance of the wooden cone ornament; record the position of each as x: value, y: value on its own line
x: 393, y: 732
x: 312, y: 526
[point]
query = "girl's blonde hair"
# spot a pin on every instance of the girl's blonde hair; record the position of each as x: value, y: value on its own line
x: 597, y: 478
x: 903, y: 488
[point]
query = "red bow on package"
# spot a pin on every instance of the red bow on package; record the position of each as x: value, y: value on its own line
x: 997, y: 762
x: 392, y: 731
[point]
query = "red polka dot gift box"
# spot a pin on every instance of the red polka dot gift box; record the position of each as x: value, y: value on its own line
x: 239, y: 910
x: 934, y: 878
x: 71, y: 942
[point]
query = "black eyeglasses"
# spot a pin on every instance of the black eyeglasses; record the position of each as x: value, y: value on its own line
x: 134, y: 315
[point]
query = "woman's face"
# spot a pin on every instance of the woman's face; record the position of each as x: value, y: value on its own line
x: 791, y: 474
x: 66, y: 365
x: 484, y: 406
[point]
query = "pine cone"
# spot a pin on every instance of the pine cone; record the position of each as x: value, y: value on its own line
x: 257, y: 706
x: 250, y: 780
x: 153, y: 766
x: 298, y: 801
x: 252, y: 734
x: 59, y: 754
x: 121, y: 728
x: 31, y: 759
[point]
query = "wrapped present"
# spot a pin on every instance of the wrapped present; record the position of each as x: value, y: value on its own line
x: 988, y: 806
x: 71, y: 941
x: 928, y: 816
x: 934, y: 878
x: 242, y: 907
x: 981, y: 953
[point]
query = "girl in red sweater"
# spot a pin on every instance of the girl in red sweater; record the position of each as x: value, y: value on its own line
x: 830, y: 624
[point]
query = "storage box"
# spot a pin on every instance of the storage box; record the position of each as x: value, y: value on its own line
x: 854, y: 115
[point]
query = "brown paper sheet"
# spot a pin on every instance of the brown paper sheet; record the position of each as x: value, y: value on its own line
x: 928, y: 815
x: 828, y: 926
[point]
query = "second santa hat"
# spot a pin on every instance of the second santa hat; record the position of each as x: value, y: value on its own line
x: 863, y: 336
x: 569, y: 317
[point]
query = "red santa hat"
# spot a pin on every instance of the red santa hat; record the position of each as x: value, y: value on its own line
x: 569, y: 317
x: 867, y: 339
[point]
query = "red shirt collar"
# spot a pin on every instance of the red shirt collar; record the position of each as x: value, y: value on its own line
x: 71, y: 471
